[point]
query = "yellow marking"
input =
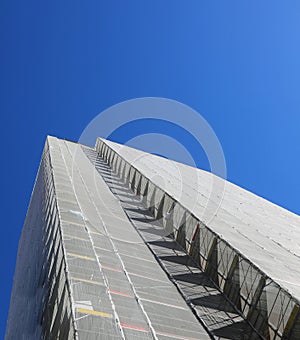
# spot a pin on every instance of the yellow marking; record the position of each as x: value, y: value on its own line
x: 82, y: 257
x: 71, y: 224
x: 93, y: 312
x: 75, y: 237
x: 94, y: 232
x: 88, y: 281
x: 103, y: 249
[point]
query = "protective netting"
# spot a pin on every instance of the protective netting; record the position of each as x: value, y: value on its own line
x: 246, y: 249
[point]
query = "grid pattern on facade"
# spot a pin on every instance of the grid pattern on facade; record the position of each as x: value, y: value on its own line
x: 84, y: 272
x: 40, y: 300
x: 266, y: 234
x: 271, y: 310
x: 195, y: 286
x: 147, y: 303
x: 96, y: 277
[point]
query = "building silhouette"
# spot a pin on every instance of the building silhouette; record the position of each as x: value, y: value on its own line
x: 121, y: 244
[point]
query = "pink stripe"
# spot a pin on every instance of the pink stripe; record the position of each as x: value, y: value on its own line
x: 119, y: 293
x: 111, y: 268
x: 137, y: 328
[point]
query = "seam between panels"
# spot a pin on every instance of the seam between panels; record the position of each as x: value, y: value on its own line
x: 137, y: 298
x: 216, y: 234
x: 190, y: 307
x: 69, y: 287
x: 226, y: 211
x: 209, y: 332
x: 92, y: 242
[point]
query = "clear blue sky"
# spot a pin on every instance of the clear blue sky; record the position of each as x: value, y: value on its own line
x: 63, y: 62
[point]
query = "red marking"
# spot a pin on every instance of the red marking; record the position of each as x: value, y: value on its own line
x: 114, y: 269
x: 119, y: 293
x: 195, y: 233
x: 137, y: 328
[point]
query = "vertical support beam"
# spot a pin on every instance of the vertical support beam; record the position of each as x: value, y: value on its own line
x: 112, y: 163
x: 181, y: 233
x: 107, y: 154
x: 258, y: 312
x: 160, y: 208
x: 145, y: 193
x: 169, y: 221
x: 211, y: 267
x: 292, y: 328
x: 232, y: 285
x: 132, y: 185
x: 127, y: 178
x: 110, y: 155
x: 102, y: 149
x: 194, y: 250
x: 152, y: 202
x: 139, y: 186
x: 119, y: 167
x: 105, y: 151
x: 122, y: 174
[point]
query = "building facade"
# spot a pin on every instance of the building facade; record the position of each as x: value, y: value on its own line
x: 121, y: 244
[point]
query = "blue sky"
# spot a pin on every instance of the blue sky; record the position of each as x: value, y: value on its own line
x: 63, y: 62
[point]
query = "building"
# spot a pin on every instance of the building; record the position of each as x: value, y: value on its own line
x: 121, y: 244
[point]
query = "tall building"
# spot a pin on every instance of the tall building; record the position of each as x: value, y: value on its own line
x: 121, y: 244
